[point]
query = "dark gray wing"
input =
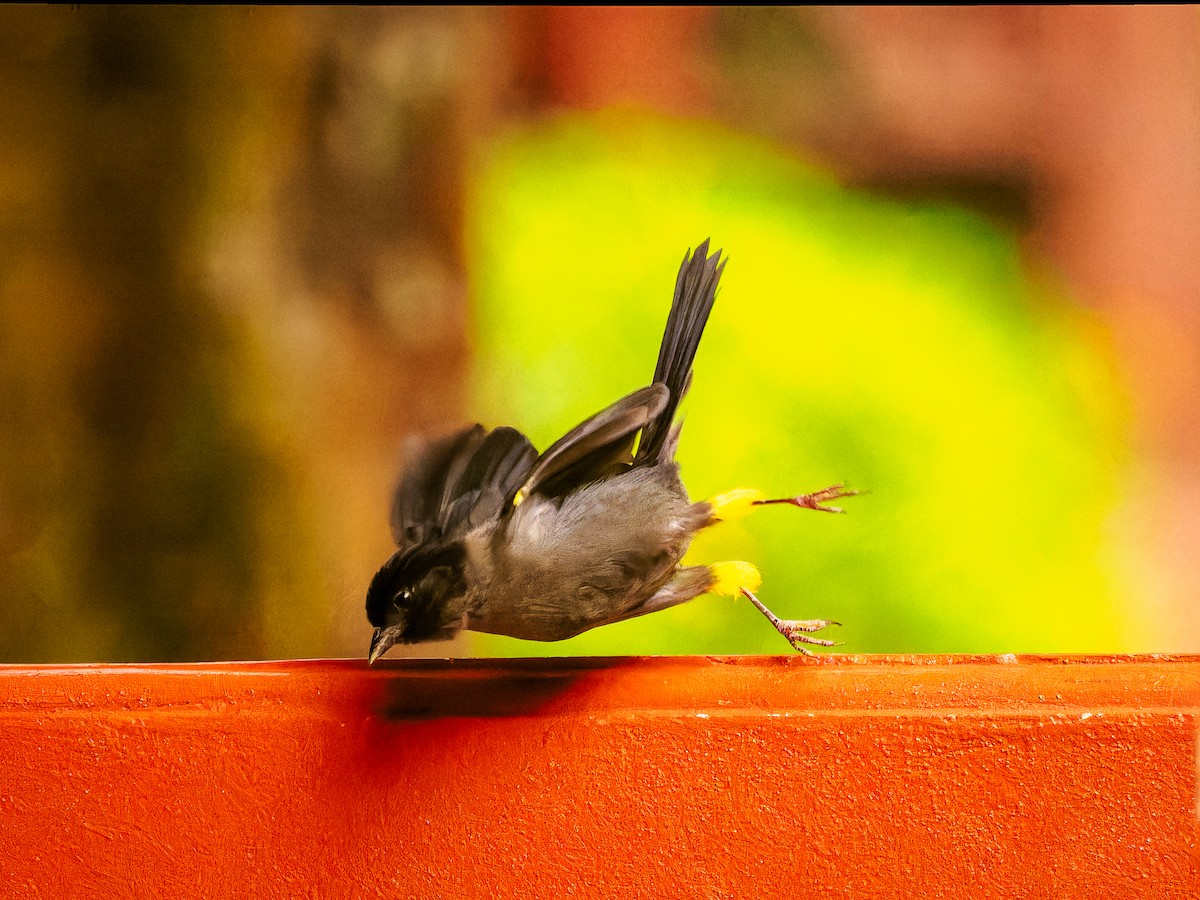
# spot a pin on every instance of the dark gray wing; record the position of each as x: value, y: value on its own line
x: 453, y: 483
x: 597, y: 447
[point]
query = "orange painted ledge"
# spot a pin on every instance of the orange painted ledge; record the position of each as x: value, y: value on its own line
x: 668, y: 777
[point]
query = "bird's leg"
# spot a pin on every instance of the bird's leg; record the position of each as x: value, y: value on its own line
x: 796, y: 631
x: 741, y: 501
x: 816, y: 498
x: 734, y: 578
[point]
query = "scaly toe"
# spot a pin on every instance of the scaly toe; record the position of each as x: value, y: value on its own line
x: 810, y: 624
x: 797, y: 632
x: 799, y: 639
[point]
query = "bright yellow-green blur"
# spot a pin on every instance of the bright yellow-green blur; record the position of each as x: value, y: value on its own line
x: 899, y: 349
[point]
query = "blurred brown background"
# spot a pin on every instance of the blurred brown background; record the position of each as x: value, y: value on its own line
x: 232, y: 272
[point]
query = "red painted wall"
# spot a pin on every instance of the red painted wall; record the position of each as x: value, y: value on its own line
x: 682, y: 777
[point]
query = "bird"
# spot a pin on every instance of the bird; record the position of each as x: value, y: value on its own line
x: 492, y: 536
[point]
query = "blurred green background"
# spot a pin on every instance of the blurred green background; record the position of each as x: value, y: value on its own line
x: 896, y: 347
x: 247, y: 252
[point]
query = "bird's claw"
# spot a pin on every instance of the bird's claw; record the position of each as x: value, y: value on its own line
x: 796, y: 631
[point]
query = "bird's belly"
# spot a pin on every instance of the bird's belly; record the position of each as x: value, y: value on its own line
x: 565, y: 568
x: 545, y: 603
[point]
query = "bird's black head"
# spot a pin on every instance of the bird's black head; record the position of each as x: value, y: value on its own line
x: 411, y: 598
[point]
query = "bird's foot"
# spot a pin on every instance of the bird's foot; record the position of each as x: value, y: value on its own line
x: 815, y: 499
x: 797, y: 631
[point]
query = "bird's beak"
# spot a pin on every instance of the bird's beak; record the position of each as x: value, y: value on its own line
x: 381, y: 642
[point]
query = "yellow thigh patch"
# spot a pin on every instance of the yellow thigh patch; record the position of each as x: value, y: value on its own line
x: 730, y: 577
x: 735, y: 504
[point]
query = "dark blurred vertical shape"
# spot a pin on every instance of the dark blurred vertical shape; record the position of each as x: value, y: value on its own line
x: 172, y: 538
x: 141, y: 537
x: 231, y: 280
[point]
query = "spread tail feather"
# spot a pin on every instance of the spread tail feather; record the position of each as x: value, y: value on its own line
x: 695, y: 292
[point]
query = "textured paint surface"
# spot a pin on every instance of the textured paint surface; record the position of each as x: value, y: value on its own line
x: 674, y: 777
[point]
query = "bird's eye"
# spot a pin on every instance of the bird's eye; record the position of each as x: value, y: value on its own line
x: 402, y: 599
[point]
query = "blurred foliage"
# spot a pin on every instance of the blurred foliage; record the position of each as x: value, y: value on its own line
x: 901, y: 348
